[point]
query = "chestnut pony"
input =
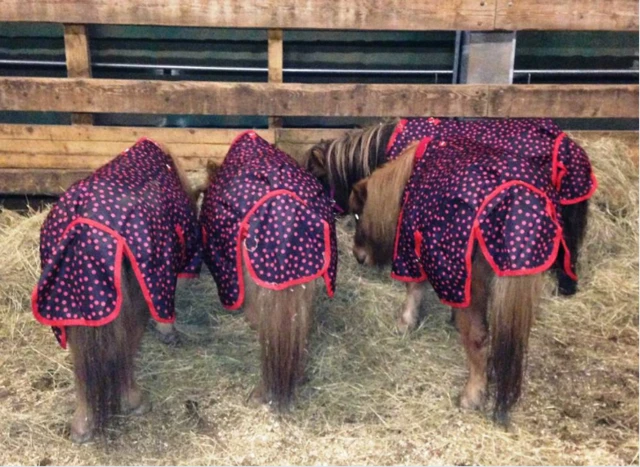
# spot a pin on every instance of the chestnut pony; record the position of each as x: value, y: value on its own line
x: 103, y: 354
x: 339, y: 164
x: 495, y: 325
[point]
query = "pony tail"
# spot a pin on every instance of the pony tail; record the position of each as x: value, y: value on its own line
x: 514, y: 300
x: 103, y: 356
x: 100, y: 363
x: 284, y: 320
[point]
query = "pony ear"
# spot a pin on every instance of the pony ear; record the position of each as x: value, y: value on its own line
x: 358, y: 197
x: 317, y: 160
x: 212, y: 169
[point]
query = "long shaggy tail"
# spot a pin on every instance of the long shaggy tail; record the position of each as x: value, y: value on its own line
x: 103, y: 357
x: 514, y: 300
x: 284, y: 321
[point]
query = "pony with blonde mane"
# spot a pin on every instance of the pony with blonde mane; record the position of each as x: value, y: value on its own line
x: 494, y: 326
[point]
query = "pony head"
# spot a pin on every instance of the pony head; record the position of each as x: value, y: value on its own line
x: 375, y: 203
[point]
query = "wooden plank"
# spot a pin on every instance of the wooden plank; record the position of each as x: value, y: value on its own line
x: 217, y: 98
x: 275, y: 61
x: 610, y: 15
x: 40, y: 182
x: 92, y: 162
x: 566, y: 100
x: 266, y: 14
x: 76, y: 48
x: 337, y: 100
x: 125, y: 134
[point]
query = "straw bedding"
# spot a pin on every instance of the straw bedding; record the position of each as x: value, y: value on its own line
x: 372, y: 397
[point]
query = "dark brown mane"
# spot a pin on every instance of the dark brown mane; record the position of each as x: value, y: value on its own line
x: 341, y: 163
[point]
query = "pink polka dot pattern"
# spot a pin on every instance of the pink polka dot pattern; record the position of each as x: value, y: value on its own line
x: 135, y: 206
x: 463, y: 195
x: 266, y: 212
x: 564, y: 162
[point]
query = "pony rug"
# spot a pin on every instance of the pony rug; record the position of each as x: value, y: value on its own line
x: 565, y: 163
x: 266, y: 214
x: 462, y: 195
x: 134, y: 206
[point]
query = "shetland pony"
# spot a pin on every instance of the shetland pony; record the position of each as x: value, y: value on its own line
x: 495, y: 319
x: 269, y: 239
x: 339, y: 164
x: 112, y: 249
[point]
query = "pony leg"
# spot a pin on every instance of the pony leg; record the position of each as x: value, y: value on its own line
x: 408, y: 316
x: 82, y: 423
x: 166, y: 333
x: 472, y: 325
x: 134, y: 400
x: 574, y: 218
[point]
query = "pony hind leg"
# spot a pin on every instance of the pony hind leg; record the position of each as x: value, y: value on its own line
x: 472, y: 326
x: 136, y: 318
x: 574, y: 218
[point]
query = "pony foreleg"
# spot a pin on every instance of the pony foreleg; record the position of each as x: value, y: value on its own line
x: 408, y: 316
x: 166, y: 333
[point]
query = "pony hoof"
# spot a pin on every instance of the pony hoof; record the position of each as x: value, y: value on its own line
x: 567, y: 286
x: 403, y: 328
x: 475, y: 402
x: 171, y: 339
x: 80, y: 437
x: 501, y: 417
x: 142, y: 409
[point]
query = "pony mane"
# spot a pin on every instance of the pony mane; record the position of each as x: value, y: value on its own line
x: 357, y: 154
x: 385, y: 189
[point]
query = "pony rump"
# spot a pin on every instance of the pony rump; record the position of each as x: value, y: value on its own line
x: 377, y: 200
x: 340, y: 163
x: 283, y: 320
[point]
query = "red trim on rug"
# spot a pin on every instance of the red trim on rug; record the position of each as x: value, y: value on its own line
x: 252, y: 133
x: 555, y: 178
x: 399, y: 129
x: 592, y: 190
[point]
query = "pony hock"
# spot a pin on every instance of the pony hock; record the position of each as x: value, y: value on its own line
x: 479, y: 224
x: 269, y: 238
x: 112, y: 249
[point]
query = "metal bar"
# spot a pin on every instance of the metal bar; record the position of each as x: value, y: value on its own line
x: 53, y: 63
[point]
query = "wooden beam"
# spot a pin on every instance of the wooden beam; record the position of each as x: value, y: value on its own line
x: 566, y: 100
x: 332, y: 100
x: 76, y: 48
x: 587, y: 15
x: 266, y: 14
x: 275, y: 60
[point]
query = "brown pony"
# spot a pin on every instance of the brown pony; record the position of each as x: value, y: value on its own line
x: 103, y: 356
x: 506, y: 304
x: 341, y: 163
x: 282, y: 319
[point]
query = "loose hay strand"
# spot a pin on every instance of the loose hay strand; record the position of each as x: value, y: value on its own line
x: 372, y: 397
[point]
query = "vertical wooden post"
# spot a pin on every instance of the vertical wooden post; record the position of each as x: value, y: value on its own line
x: 76, y: 48
x: 487, y: 58
x: 275, y: 61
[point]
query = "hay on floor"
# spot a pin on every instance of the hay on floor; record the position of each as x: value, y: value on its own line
x: 372, y: 397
